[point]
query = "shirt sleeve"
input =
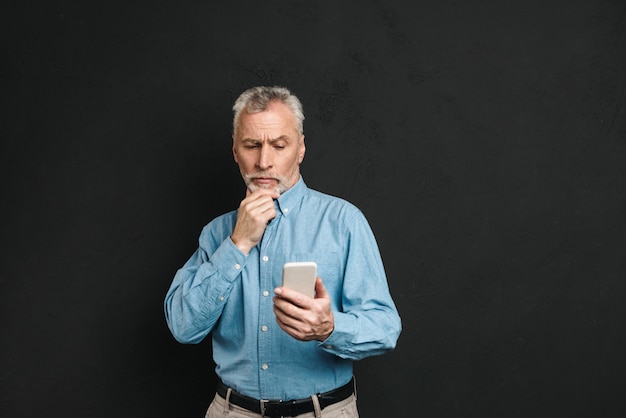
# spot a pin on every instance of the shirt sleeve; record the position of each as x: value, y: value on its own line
x: 200, y: 289
x: 368, y: 322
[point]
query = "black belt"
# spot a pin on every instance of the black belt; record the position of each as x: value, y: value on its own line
x: 286, y: 408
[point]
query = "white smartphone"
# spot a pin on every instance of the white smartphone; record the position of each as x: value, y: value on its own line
x: 300, y: 276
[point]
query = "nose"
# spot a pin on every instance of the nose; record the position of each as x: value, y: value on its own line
x: 265, y: 158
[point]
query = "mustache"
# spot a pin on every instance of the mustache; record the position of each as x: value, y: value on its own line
x: 253, y: 176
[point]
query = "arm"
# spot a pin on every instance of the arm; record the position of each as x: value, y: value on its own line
x: 367, y: 323
x: 363, y: 321
x: 201, y: 288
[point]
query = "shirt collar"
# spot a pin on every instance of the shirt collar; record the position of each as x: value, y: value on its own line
x: 290, y: 200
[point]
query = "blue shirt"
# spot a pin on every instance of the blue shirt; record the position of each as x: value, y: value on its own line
x: 222, y: 291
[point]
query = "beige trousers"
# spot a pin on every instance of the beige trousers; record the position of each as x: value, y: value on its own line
x: 220, y: 408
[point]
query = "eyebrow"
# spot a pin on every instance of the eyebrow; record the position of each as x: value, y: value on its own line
x: 271, y: 140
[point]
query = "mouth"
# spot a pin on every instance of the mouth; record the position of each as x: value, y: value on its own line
x: 264, y: 181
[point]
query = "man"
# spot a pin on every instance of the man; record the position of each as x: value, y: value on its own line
x: 277, y: 351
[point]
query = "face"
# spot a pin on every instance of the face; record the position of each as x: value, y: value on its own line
x: 268, y: 148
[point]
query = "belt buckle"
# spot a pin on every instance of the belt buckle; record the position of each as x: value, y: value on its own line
x: 263, y: 403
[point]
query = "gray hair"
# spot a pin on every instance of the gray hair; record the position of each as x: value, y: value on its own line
x: 257, y: 99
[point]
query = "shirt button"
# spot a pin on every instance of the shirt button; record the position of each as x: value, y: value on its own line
x: 221, y: 297
x: 265, y: 258
x: 286, y: 210
x: 264, y: 328
x: 328, y: 346
x: 266, y: 293
x: 265, y: 367
x: 237, y: 266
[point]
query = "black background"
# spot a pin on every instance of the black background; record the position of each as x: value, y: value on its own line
x: 484, y: 140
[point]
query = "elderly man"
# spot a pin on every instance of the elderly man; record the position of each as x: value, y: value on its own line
x: 277, y: 351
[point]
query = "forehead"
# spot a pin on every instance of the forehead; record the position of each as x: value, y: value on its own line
x: 276, y: 119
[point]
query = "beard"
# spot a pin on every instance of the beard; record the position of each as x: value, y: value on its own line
x: 281, y: 187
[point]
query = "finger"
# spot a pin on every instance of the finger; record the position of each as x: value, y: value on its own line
x: 258, y: 204
x: 286, y: 310
x: 299, y: 329
x: 293, y: 331
x: 320, y: 289
x: 273, y: 193
x: 293, y: 297
x: 289, y: 321
x: 267, y: 212
x: 254, y: 200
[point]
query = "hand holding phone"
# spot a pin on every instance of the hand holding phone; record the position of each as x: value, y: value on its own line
x: 300, y: 276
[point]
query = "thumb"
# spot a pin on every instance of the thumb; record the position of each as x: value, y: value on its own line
x: 320, y: 290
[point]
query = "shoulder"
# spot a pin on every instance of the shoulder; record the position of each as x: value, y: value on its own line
x: 333, y: 205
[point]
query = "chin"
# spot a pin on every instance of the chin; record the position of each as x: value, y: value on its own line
x: 280, y: 187
x: 281, y: 184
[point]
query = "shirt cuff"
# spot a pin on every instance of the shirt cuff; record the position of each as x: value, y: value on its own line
x: 337, y: 341
x: 227, y: 260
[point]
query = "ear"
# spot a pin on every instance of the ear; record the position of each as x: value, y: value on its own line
x: 235, y: 150
x: 302, y: 149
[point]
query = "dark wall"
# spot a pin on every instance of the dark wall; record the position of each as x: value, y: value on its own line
x: 484, y: 140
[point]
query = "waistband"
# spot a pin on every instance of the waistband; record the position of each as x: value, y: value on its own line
x: 291, y: 408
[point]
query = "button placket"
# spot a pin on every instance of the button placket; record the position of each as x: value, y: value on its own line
x: 265, y: 303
